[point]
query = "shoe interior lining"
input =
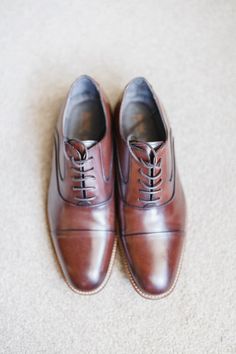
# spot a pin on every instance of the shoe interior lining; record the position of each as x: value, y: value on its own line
x: 140, y: 114
x: 85, y: 118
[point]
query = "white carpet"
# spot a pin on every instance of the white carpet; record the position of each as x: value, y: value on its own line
x: 187, y: 50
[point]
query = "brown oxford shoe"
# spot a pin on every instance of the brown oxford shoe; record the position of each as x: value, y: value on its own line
x: 151, y: 199
x: 81, y: 193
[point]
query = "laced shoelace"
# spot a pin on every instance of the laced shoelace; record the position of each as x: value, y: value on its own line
x: 152, y: 188
x: 81, y: 176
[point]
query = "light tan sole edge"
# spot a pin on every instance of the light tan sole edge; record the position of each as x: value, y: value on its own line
x: 134, y: 284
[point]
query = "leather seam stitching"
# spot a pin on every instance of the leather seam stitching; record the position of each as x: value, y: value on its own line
x: 153, y: 232
x: 76, y: 230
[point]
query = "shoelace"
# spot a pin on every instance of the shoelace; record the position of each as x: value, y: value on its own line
x: 79, y: 161
x: 152, y: 188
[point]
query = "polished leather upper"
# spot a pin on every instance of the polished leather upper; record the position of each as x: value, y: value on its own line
x: 81, y: 193
x: 151, y: 199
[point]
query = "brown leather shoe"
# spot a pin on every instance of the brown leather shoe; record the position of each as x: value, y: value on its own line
x: 152, y: 203
x: 81, y: 192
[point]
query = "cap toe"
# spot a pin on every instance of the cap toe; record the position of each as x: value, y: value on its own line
x: 85, y: 257
x: 154, y: 261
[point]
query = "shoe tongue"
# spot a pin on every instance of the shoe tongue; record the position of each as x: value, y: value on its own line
x: 89, y: 143
x: 155, y: 144
x: 78, y: 149
x: 144, y: 150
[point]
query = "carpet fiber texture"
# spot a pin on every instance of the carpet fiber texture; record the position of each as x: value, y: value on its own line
x: 187, y: 50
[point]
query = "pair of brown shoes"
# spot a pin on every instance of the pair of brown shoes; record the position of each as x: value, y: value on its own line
x: 81, y: 201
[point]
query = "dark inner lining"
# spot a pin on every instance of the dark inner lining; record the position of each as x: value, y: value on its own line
x: 141, y: 116
x: 85, y: 119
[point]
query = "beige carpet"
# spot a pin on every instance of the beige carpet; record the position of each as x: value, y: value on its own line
x: 187, y: 49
